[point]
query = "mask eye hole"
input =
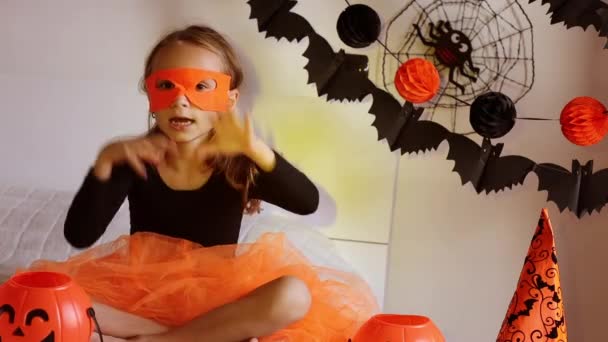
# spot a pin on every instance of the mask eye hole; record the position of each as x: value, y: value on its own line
x: 165, y: 85
x: 206, y: 85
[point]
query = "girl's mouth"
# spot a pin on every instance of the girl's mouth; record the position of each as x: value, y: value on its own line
x: 179, y: 123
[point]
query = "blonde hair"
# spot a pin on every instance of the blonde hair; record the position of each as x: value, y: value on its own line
x: 239, y: 171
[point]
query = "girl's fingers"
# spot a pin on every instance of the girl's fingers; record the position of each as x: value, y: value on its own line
x: 158, y: 140
x: 215, y: 119
x: 231, y: 116
x: 172, y: 148
x: 150, y: 152
x: 166, y: 145
x: 135, y: 162
x: 248, y: 125
x: 228, y: 117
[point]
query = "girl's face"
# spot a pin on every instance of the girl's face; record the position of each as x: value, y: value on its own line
x: 183, y: 121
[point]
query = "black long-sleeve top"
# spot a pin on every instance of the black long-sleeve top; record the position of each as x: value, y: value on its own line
x: 210, y: 215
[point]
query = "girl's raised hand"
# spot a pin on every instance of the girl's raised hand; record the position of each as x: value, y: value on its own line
x: 232, y: 137
x: 150, y: 148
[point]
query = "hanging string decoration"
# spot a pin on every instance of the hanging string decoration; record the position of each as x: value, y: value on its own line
x: 477, y: 47
x: 584, y: 121
x: 490, y: 96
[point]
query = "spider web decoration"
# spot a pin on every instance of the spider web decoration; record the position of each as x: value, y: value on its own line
x: 498, y: 57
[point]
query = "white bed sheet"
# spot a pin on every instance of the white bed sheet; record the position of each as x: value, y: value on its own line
x: 31, y: 226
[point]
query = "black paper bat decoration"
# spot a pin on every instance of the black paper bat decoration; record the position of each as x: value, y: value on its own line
x: 340, y: 75
x: 401, y: 127
x: 581, y: 13
x: 579, y: 190
x: 276, y: 19
x: 484, y: 167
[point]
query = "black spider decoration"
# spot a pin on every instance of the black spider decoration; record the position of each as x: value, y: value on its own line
x: 452, y: 48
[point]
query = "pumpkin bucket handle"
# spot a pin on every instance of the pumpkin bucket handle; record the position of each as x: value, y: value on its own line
x: 91, y: 314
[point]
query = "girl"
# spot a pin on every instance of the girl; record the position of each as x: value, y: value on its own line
x: 180, y: 276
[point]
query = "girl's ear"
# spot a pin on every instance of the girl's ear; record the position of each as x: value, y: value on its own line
x: 233, y: 96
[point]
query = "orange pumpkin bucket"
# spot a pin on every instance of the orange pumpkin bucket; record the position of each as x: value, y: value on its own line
x: 44, y: 307
x: 399, y: 328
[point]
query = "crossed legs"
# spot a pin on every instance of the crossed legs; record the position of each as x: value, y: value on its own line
x: 265, y: 310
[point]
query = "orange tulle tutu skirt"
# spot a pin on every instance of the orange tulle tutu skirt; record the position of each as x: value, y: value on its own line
x: 172, y: 281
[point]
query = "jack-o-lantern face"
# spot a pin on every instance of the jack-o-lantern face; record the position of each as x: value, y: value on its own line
x: 38, y: 314
x: 43, y: 307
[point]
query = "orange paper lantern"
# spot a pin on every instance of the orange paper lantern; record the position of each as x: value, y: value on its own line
x: 398, y: 328
x: 417, y: 80
x: 44, y: 307
x: 584, y: 121
x: 536, y: 312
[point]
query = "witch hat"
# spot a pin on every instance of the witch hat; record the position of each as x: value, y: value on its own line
x: 536, y: 312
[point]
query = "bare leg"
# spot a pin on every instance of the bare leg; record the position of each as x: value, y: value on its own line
x: 264, y: 311
x: 121, y: 324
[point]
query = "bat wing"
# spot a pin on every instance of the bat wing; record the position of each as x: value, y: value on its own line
x: 572, y: 13
x: 351, y: 81
x: 340, y: 76
x: 320, y: 56
x: 275, y: 17
x: 595, y: 193
x: 421, y: 136
x: 465, y: 153
x: 387, y: 112
x: 603, y: 13
x: 505, y: 172
x: 559, y: 183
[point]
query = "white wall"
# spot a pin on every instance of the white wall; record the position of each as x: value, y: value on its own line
x: 70, y: 84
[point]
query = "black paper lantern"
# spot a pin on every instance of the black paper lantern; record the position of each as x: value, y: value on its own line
x: 358, y: 26
x: 493, y: 115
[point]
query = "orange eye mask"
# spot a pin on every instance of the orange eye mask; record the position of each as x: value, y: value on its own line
x: 207, y: 90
